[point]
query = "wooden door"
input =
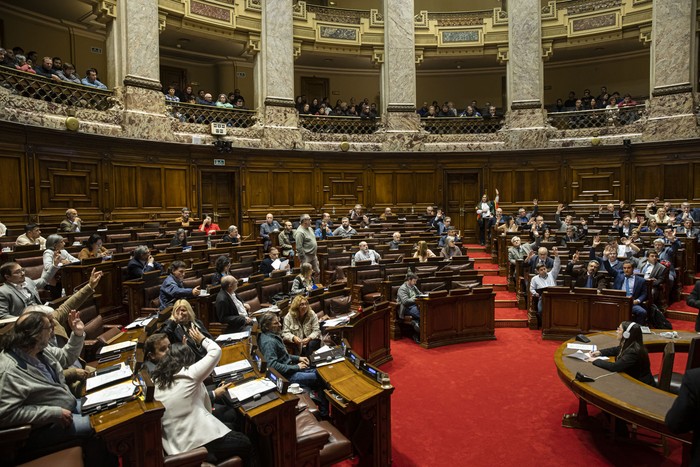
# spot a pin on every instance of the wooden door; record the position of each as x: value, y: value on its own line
x: 314, y: 88
x: 171, y: 75
x: 462, y: 194
x: 220, y: 197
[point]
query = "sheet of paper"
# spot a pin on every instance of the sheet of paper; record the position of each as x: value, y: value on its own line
x: 247, y: 390
x: 339, y: 359
x: 139, y: 323
x: 100, y: 380
x: 240, y: 365
x: 276, y: 264
x: 120, y: 346
x: 325, y: 348
x: 112, y: 393
x: 584, y: 356
x: 336, y: 321
x: 234, y: 336
x: 282, y: 264
x: 585, y: 347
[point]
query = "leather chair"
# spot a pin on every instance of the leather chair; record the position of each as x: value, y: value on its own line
x: 197, y: 458
x: 663, y: 379
x: 71, y: 457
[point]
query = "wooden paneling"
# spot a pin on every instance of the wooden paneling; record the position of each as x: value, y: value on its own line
x: 405, y: 187
x: 175, y: 182
x: 13, y: 183
x: 67, y: 181
x: 342, y: 187
x: 599, y: 183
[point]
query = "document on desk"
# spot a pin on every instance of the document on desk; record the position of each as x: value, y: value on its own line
x: 248, y: 390
x: 123, y: 372
x: 585, y: 347
x: 235, y: 367
x: 234, y: 336
x: 330, y: 323
x: 118, y: 347
x: 139, y: 323
x: 584, y: 356
x: 108, y: 395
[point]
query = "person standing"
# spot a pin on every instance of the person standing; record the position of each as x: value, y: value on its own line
x: 485, y: 211
x: 307, y: 247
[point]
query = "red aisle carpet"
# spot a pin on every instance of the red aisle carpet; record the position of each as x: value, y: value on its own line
x: 496, y: 403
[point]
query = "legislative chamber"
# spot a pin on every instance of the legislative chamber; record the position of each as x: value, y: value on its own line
x: 388, y: 232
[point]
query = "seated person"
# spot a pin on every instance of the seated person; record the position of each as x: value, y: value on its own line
x: 395, y: 241
x: 450, y: 250
x: 609, y: 257
x: 33, y: 389
x: 633, y: 286
x: 267, y: 266
x: 544, y: 279
x: 31, y: 236
x: 94, y: 249
x: 179, y: 239
x: 423, y: 252
x: 542, y: 257
x: 631, y: 356
x: 18, y: 291
x: 56, y: 244
x: 232, y: 235
x: 301, y: 326
x: 173, y: 289
x: 221, y: 266
x: 155, y: 348
x: 652, y: 227
x: 230, y: 309
x: 304, y: 282
x: 323, y: 231
x: 587, y: 277
x: 686, y: 230
x: 366, y: 254
x: 520, y: 251
x: 293, y: 367
x: 523, y: 218
x: 177, y: 327
x: 450, y: 231
x: 387, y: 214
x: 266, y: 228
x: 141, y: 262
x: 208, y: 226
x: 188, y: 422
x: 91, y: 80
x: 356, y: 212
x: 325, y: 217
x: 344, y: 230
x: 184, y: 218
x: 406, y: 298
x: 71, y: 223
x: 285, y: 240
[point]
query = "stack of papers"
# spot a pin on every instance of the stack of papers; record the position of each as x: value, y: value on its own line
x: 336, y: 322
x: 277, y: 264
x: 248, y: 390
x: 235, y: 367
x: 234, y: 336
x: 109, y: 395
x: 584, y: 356
x: 117, y: 348
x: 585, y: 347
x: 123, y: 372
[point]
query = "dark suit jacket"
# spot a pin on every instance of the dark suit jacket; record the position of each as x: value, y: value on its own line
x: 266, y: 267
x: 227, y: 313
x: 694, y: 297
x: 135, y: 269
x: 549, y: 262
x: 639, y: 290
x: 657, y: 272
x: 684, y: 414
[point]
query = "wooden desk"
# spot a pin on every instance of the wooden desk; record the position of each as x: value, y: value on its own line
x: 566, y: 313
x: 362, y: 411
x: 109, y: 288
x: 457, y: 318
x: 368, y: 334
x: 619, y: 394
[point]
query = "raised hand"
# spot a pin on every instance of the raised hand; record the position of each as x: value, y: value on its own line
x: 596, y: 241
x: 560, y: 207
x: 95, y: 277
x: 196, y: 335
x: 583, y: 221
x: 76, y: 324
x: 534, y: 202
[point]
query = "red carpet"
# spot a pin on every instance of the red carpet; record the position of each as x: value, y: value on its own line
x: 495, y: 403
x: 490, y: 280
x: 486, y: 267
x: 510, y: 313
x: 479, y: 254
x: 681, y: 306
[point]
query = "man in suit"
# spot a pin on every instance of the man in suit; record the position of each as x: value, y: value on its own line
x: 140, y: 263
x: 19, y: 291
x: 633, y: 286
x: 266, y: 228
x: 173, y: 287
x: 587, y: 277
x: 71, y: 223
x: 542, y: 257
x: 266, y: 265
x: 626, y: 228
x: 650, y: 267
x: 694, y: 301
x: 609, y: 257
x: 684, y: 414
x: 687, y: 229
x: 230, y: 309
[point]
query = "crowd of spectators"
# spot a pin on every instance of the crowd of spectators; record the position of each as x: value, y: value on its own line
x: 587, y: 101
x: 52, y: 68
x: 232, y: 100
x: 364, y: 109
x: 448, y: 109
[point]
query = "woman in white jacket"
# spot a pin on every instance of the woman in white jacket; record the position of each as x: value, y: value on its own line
x: 188, y: 422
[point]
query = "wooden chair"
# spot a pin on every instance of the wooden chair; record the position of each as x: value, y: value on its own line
x: 663, y: 379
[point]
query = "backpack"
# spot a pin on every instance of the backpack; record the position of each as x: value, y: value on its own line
x: 656, y: 319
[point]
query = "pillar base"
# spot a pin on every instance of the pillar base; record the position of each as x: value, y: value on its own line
x: 281, y: 127
x: 402, y: 121
x: 144, y: 114
x: 525, y: 128
x: 671, y: 116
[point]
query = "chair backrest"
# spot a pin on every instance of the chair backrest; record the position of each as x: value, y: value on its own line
x: 693, y: 354
x: 667, y: 367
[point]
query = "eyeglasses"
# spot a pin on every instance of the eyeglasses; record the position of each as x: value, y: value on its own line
x: 18, y: 272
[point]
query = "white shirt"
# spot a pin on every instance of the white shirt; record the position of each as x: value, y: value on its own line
x: 239, y: 306
x: 550, y: 280
x: 369, y: 255
x: 485, y: 210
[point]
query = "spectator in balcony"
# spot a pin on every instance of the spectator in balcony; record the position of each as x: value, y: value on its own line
x: 306, y: 110
x: 593, y: 104
x: 239, y: 104
x: 57, y: 63
x: 373, y: 110
x: 68, y: 74
x: 492, y: 114
x: 223, y: 102
x: 431, y: 112
x: 352, y: 111
x: 586, y: 98
x: 171, y: 95
x: 475, y: 106
x: 445, y: 111
x: 200, y: 97
x: 559, y: 107
x: 7, y: 58
x: 366, y: 114
x: 570, y: 103
x: 232, y: 235
x: 470, y: 112
x: 603, y: 96
x: 22, y: 65
x: 345, y: 230
x: 299, y: 103
x: 321, y: 110
x: 627, y: 101
x: 31, y: 236
x: 423, y: 111
x: 33, y: 56
x: 451, y: 109
x: 579, y: 105
x: 612, y: 103
x: 187, y: 94
x: 46, y: 69
x: 208, y: 226
x: 91, y: 79
x: 208, y: 100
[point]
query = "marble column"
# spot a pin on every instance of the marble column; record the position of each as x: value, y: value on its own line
x: 276, y: 66
x: 134, y: 68
x: 525, y: 118
x: 673, y: 71
x: 399, y: 75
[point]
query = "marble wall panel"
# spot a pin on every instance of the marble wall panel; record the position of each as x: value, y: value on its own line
x: 673, y: 42
x: 278, y: 50
x: 524, y: 51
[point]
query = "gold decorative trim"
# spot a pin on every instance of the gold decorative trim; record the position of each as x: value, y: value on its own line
x: 500, y: 17
x: 376, y: 18
x: 582, y: 25
x: 547, y: 49
x: 333, y: 33
x: 377, y: 56
x: 297, y: 49
x: 549, y: 11
x: 401, y: 108
x: 419, y: 56
x: 460, y: 37
x: 645, y: 36
x: 255, y: 5
x: 300, y: 11
x: 502, y: 54
x: 105, y: 11
x: 162, y: 21
x: 420, y: 21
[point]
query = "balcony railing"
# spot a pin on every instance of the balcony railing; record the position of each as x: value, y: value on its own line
x: 338, y: 125
x: 206, y: 114
x: 461, y: 125
x: 600, y: 118
x: 37, y: 87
